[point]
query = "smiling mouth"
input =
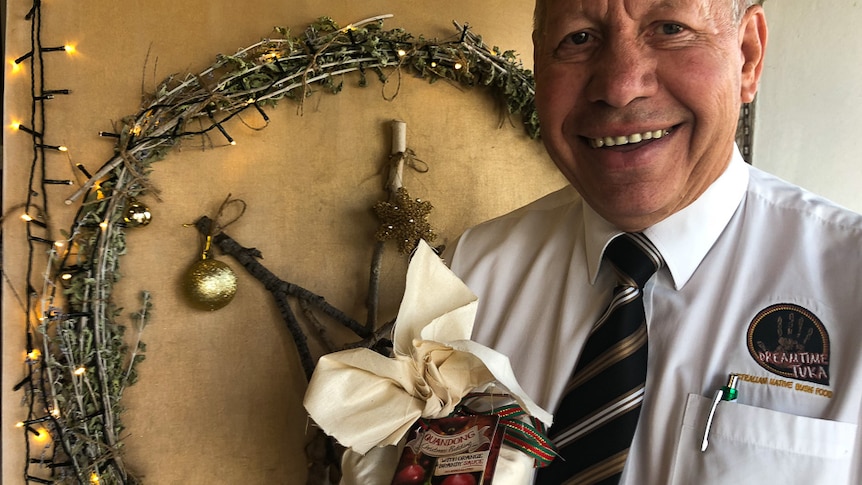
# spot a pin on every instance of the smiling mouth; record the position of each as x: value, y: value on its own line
x: 613, y: 141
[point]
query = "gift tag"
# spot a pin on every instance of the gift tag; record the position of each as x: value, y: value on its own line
x: 455, y: 450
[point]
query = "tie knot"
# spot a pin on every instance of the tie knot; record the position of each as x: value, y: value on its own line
x: 635, y: 258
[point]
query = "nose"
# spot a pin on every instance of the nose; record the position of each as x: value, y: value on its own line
x: 623, y: 72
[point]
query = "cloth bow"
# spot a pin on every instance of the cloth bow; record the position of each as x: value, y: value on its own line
x: 364, y: 399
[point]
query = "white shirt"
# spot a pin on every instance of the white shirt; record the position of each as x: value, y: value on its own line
x: 749, y: 242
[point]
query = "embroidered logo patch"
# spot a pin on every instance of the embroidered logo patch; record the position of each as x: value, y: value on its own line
x: 790, y: 341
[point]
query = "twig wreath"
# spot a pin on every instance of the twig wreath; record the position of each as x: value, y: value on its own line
x: 79, y: 361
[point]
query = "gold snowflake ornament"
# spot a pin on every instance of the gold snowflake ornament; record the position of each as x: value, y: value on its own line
x: 404, y: 220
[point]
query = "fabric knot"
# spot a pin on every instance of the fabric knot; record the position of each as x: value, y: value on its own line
x: 634, y: 257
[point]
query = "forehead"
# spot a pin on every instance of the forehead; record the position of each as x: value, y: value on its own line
x: 549, y: 9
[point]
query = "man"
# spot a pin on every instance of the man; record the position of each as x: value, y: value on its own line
x: 638, y: 102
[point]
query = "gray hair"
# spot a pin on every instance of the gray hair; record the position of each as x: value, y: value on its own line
x: 740, y: 6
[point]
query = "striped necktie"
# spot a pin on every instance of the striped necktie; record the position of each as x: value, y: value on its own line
x: 596, y: 420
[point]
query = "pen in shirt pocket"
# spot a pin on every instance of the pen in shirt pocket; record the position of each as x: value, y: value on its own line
x: 726, y: 393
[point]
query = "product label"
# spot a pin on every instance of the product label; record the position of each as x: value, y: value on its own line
x: 455, y: 450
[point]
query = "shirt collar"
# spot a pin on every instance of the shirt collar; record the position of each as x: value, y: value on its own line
x: 686, y: 236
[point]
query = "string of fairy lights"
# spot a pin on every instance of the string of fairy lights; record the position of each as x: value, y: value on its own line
x: 77, y: 360
x: 69, y: 433
x: 42, y: 416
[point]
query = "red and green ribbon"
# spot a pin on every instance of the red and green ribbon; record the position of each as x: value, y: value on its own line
x: 523, y: 432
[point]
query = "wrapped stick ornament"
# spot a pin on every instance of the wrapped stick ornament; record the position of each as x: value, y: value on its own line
x: 403, y: 219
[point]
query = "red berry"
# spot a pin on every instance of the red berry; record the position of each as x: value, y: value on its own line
x: 409, y: 475
x: 460, y: 479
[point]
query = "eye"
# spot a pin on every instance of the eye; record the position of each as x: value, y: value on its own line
x: 671, y: 29
x: 578, y: 38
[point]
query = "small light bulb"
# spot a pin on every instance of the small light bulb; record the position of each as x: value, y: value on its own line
x: 62, y: 148
x: 94, y: 478
x: 69, y: 48
x: 16, y: 125
x: 232, y: 142
x: 42, y: 434
x: 19, y: 424
x: 55, y: 412
x: 458, y: 65
x: 433, y: 63
x: 34, y: 355
x: 103, y: 225
x: 402, y: 53
x: 59, y: 244
x: 26, y: 217
x: 80, y: 371
x: 66, y: 276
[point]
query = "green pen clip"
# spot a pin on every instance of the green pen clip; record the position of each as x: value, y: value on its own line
x: 726, y: 393
x: 729, y: 392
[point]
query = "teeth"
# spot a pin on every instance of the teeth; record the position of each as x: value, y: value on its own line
x: 611, y: 141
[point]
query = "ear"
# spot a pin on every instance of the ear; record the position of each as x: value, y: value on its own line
x: 753, y: 34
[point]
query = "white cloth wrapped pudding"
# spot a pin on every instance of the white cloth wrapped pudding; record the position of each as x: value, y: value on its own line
x: 368, y: 402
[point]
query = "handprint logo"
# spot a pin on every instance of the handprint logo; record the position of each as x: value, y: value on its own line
x: 790, y: 341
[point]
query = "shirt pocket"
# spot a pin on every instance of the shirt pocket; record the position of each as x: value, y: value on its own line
x: 750, y: 445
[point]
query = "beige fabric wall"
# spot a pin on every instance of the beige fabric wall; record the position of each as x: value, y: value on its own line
x: 219, y: 400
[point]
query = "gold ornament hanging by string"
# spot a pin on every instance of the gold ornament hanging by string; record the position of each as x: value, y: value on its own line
x: 137, y: 214
x: 211, y: 284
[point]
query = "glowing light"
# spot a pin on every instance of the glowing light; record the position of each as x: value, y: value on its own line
x: 66, y: 276
x: 433, y: 63
x: 26, y: 217
x: 18, y: 126
x: 103, y: 225
x: 458, y: 65
x: 68, y: 48
x: 19, y: 424
x: 16, y: 67
x: 59, y: 244
x: 94, y: 478
x: 40, y: 434
x: 80, y: 371
x: 59, y: 148
x: 402, y: 53
x: 55, y: 412
x: 34, y: 355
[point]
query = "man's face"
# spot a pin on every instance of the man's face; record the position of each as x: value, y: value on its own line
x: 639, y: 99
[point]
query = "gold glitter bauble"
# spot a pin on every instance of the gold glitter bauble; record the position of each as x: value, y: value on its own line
x: 210, y: 284
x: 137, y: 214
